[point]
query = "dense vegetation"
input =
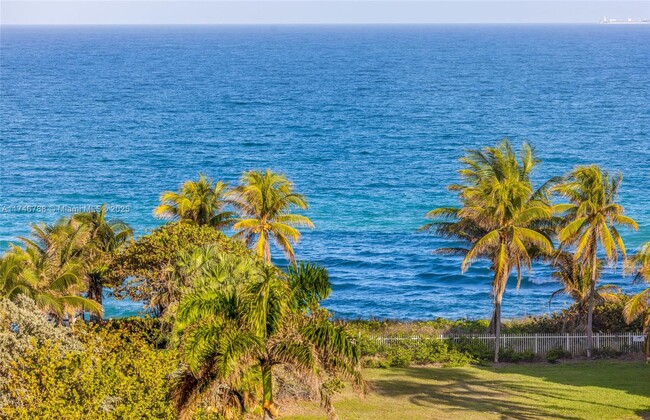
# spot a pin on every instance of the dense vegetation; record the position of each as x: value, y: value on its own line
x: 227, y: 332
x: 88, y: 371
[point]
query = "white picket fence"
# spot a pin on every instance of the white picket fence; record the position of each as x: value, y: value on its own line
x: 576, y: 344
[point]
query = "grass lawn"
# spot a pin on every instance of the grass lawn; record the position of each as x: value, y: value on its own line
x: 584, y: 390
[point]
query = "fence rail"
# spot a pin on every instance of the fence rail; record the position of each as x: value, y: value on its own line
x: 576, y: 344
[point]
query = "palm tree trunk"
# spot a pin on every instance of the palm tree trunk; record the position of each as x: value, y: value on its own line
x: 95, y: 292
x: 499, y: 289
x: 646, y: 344
x: 270, y: 409
x: 497, y: 327
x: 267, y: 248
x: 490, y: 328
x: 590, y: 312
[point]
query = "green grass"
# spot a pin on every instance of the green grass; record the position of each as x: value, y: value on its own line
x: 585, y: 390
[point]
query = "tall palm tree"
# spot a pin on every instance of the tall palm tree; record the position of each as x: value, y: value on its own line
x: 639, y: 305
x: 575, y: 279
x: 200, y: 201
x: 265, y: 200
x: 502, y: 218
x: 104, y: 237
x: 230, y: 332
x: 593, y: 215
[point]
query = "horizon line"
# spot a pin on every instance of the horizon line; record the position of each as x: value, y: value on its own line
x: 596, y: 23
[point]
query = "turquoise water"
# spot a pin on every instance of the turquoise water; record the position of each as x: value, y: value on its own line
x: 368, y: 121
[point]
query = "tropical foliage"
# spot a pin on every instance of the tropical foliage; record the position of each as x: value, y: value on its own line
x: 309, y: 285
x: 592, y: 217
x: 150, y: 269
x: 201, y: 202
x: 103, y: 238
x: 62, y: 260
x: 50, y: 269
x: 265, y: 201
x: 502, y: 218
x: 575, y: 279
x: 230, y: 329
x: 638, y: 307
x: 22, y: 327
x: 237, y: 331
x: 106, y: 374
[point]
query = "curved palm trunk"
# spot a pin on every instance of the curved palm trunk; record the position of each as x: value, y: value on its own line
x: 499, y: 289
x: 590, y: 312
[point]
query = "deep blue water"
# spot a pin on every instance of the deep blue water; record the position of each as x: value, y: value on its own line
x: 368, y: 121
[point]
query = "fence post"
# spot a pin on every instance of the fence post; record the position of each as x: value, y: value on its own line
x: 598, y: 340
x: 568, y: 348
x: 536, y: 347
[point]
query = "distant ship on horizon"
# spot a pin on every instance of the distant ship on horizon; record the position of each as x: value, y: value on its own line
x: 624, y: 22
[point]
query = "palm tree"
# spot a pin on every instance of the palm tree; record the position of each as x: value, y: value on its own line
x: 575, y: 279
x: 61, y: 242
x: 178, y: 276
x: 201, y: 202
x: 24, y: 272
x: 502, y: 218
x: 16, y: 279
x: 233, y: 331
x: 309, y: 284
x: 265, y: 200
x: 639, y: 305
x: 53, y: 262
x: 592, y: 215
x: 104, y: 237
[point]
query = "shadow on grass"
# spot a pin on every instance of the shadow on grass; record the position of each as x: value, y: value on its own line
x: 632, y: 378
x: 457, y: 390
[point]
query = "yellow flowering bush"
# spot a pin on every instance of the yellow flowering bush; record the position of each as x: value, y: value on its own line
x: 117, y: 374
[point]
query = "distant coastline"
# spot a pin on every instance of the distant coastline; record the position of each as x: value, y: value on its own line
x: 624, y: 22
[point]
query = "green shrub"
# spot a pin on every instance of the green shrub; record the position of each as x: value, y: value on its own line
x: 115, y: 375
x: 606, y: 353
x: 403, y: 353
x: 383, y: 364
x: 400, y: 357
x: 555, y: 354
x: 509, y: 355
x: 422, y: 328
x: 152, y: 330
x: 474, y: 348
x: 368, y: 346
x: 140, y: 270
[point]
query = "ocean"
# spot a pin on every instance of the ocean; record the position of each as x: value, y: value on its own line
x: 368, y: 121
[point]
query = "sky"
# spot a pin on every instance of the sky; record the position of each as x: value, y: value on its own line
x: 316, y: 11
